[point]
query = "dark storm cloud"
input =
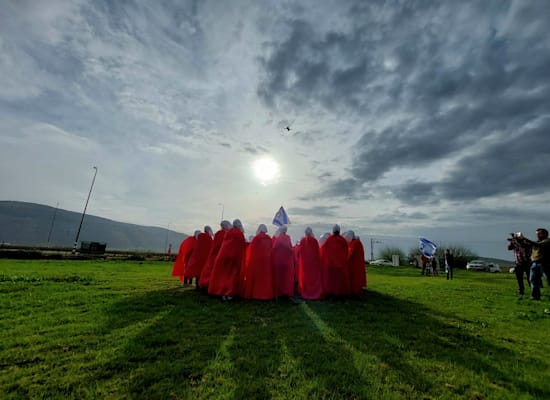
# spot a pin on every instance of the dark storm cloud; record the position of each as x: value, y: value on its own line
x: 432, y: 81
x: 318, y: 211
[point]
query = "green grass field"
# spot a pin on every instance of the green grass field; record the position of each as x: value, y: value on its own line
x: 93, y: 329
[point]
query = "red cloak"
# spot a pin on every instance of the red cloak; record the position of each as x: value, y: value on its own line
x: 224, y: 280
x: 199, y: 256
x: 335, y: 266
x: 309, y: 269
x: 184, y: 252
x: 258, y: 277
x: 209, y: 266
x: 282, y: 257
x: 356, y: 267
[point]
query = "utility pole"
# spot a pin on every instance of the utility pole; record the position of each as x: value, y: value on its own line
x: 221, y: 204
x: 84, y: 212
x: 53, y: 220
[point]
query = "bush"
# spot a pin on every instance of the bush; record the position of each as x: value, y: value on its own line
x: 387, y: 252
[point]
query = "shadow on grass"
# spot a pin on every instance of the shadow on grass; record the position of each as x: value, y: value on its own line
x: 181, y: 344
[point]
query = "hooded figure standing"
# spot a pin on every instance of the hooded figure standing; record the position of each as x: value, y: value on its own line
x: 258, y: 275
x: 214, y: 250
x: 335, y: 264
x: 282, y: 257
x: 356, y: 264
x: 309, y: 267
x: 182, y: 258
x: 224, y: 280
x: 200, y: 254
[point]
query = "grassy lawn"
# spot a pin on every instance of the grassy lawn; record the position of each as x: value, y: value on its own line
x: 98, y: 329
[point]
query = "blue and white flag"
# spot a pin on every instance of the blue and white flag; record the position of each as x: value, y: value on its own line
x: 427, y: 247
x: 281, y: 218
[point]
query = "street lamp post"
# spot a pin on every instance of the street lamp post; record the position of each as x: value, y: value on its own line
x: 84, y: 212
x: 53, y: 221
x: 166, y: 238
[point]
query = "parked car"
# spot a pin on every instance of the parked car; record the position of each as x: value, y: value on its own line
x: 381, y: 262
x: 480, y: 265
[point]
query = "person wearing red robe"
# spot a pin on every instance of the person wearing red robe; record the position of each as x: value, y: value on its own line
x: 184, y: 252
x: 309, y: 267
x: 258, y: 276
x: 335, y: 264
x: 204, y: 279
x: 282, y: 260
x: 200, y: 255
x: 224, y: 280
x: 356, y: 264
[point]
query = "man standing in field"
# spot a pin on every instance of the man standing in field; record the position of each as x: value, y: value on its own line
x: 540, y: 259
x: 449, y: 264
x: 522, y: 256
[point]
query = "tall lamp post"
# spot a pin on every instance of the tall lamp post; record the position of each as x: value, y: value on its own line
x: 84, y: 212
x: 166, y: 238
x: 221, y: 204
x: 53, y: 221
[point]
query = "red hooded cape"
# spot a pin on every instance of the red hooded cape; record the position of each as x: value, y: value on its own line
x: 209, y: 266
x: 309, y: 269
x: 184, y: 252
x: 199, y: 256
x: 335, y: 266
x: 258, y: 276
x: 224, y: 280
x: 356, y: 267
x: 282, y: 257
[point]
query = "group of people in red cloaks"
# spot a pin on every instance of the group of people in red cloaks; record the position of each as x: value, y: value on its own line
x: 225, y: 265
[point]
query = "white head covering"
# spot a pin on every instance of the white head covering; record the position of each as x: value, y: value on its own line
x: 196, y: 234
x: 309, y: 231
x: 261, y: 228
x: 349, y: 236
x: 323, y: 238
x: 208, y: 230
x: 238, y: 224
x: 284, y: 229
x: 225, y: 225
x: 336, y: 228
x: 250, y: 237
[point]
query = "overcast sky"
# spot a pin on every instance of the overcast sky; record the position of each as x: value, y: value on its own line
x: 407, y: 118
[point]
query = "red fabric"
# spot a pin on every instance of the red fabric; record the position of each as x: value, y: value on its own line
x: 199, y: 256
x: 282, y: 257
x: 258, y: 277
x: 184, y: 252
x: 209, y: 266
x: 309, y: 269
x: 356, y: 267
x: 335, y: 271
x: 224, y: 280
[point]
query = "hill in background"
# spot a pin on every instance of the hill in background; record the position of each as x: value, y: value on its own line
x: 29, y: 224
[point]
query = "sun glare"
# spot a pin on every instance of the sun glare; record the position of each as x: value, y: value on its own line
x: 266, y: 170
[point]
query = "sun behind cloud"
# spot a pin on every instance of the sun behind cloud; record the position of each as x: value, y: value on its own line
x: 266, y: 170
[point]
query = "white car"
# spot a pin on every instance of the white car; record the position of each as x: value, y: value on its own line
x: 381, y: 262
x: 480, y: 265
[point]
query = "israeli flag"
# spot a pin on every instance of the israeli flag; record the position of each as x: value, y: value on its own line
x: 427, y: 247
x: 281, y: 218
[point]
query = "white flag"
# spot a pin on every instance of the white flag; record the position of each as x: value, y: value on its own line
x: 281, y: 218
x: 427, y: 247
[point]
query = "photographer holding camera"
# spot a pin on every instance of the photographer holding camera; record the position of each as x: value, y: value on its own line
x: 522, y: 257
x: 540, y: 258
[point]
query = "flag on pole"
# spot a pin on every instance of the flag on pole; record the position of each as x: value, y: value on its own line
x: 427, y: 247
x: 281, y: 218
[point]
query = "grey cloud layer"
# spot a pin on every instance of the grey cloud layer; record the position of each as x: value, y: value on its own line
x: 462, y: 80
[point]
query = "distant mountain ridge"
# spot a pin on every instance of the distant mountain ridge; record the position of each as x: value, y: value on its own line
x: 29, y: 224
